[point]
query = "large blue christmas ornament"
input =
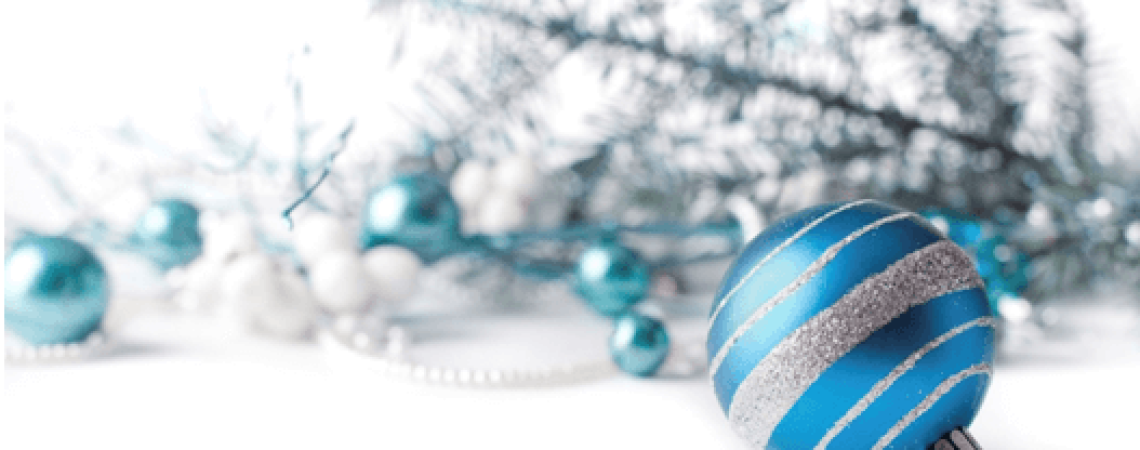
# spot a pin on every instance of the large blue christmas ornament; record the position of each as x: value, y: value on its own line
x: 55, y: 290
x: 168, y: 233
x: 610, y: 278
x: 850, y: 325
x: 415, y: 212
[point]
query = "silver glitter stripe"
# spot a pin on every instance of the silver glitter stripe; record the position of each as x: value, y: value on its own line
x: 778, y: 381
x: 929, y: 401
x: 879, y: 388
x: 791, y: 240
x: 816, y: 266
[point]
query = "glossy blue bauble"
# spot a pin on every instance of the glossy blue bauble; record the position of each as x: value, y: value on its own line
x: 168, y: 233
x: 639, y: 344
x: 850, y: 325
x: 415, y: 212
x: 55, y: 290
x: 610, y: 278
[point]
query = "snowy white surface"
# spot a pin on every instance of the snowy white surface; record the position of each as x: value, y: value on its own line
x: 189, y: 382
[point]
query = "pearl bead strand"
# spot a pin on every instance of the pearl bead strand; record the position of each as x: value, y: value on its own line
x: 395, y: 365
x: 94, y: 344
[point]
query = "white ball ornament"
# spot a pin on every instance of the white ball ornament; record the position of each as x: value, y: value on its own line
x: 316, y: 235
x: 502, y: 212
x: 292, y: 312
x: 394, y: 272
x: 340, y: 283
x: 228, y: 238
x: 470, y: 183
x: 248, y: 285
x: 202, y: 281
x: 516, y: 173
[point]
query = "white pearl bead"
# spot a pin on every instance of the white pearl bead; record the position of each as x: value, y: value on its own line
x: 316, y: 235
x: 517, y: 173
x: 470, y: 183
x: 292, y: 311
x: 229, y: 237
x: 340, y: 283
x: 501, y: 212
x: 248, y: 285
x: 394, y: 272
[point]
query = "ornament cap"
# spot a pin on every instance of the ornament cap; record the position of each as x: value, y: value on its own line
x: 958, y: 439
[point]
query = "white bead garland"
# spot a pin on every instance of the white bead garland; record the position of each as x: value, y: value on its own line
x: 340, y: 282
x: 399, y: 367
x: 93, y: 345
x: 394, y: 272
x: 316, y: 235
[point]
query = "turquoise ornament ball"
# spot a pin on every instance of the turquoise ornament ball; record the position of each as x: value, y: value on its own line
x: 850, y: 325
x: 55, y: 290
x: 413, y: 211
x: 168, y: 233
x: 610, y: 278
x: 639, y: 344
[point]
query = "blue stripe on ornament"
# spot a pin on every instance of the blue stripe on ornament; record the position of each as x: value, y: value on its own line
x: 766, y: 245
x: 969, y: 348
x: 783, y: 269
x: 867, y: 255
x: 953, y: 409
x: 850, y: 378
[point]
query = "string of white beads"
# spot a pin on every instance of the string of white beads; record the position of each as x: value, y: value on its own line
x: 397, y: 366
x: 95, y: 344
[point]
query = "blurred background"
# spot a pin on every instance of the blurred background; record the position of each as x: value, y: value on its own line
x: 1008, y: 123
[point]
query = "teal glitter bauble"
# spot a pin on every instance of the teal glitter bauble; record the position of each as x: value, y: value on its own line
x: 415, y: 212
x: 639, y: 344
x: 168, y: 233
x: 55, y: 290
x: 611, y: 278
x: 851, y: 325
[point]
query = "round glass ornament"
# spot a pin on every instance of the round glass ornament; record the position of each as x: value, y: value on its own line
x: 413, y: 211
x: 610, y: 277
x: 168, y: 233
x: 55, y: 291
x: 639, y: 344
x: 850, y: 325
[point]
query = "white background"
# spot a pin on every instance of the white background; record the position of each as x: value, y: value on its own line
x: 190, y: 382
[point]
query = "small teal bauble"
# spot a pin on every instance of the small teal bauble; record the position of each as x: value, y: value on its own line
x: 639, y: 344
x: 850, y: 325
x: 55, y: 290
x: 415, y: 212
x: 168, y: 233
x: 611, y: 278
